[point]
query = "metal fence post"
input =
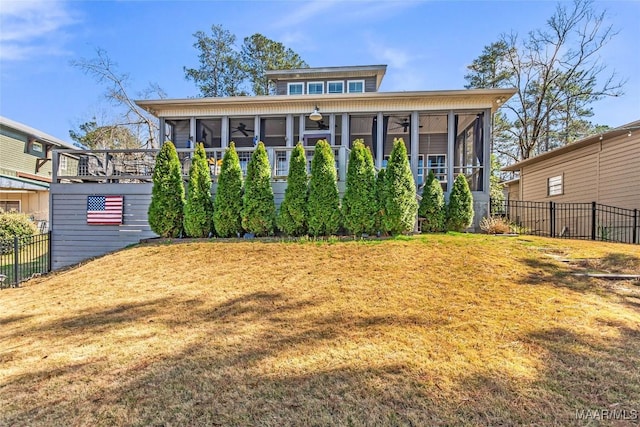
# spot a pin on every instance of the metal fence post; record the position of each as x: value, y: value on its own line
x: 552, y: 219
x: 635, y: 226
x: 16, y: 252
x: 49, y: 256
x: 593, y: 220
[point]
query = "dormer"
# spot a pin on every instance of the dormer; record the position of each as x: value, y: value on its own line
x: 328, y: 80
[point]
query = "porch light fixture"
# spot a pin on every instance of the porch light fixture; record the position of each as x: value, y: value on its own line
x: 315, y: 115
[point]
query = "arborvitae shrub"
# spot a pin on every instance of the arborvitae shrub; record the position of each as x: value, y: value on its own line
x: 460, y: 207
x: 359, y: 206
x: 432, y: 206
x: 292, y: 218
x: 401, y: 206
x: 227, y: 211
x: 324, y: 200
x: 258, y: 207
x: 380, y: 201
x: 167, y: 197
x: 198, y: 209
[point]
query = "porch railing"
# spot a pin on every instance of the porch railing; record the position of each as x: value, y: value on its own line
x: 137, y: 165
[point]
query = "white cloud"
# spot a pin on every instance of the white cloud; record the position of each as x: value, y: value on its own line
x: 29, y: 28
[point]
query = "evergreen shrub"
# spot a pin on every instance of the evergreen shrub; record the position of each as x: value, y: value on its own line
x: 227, y: 212
x: 460, y: 207
x: 432, y: 206
x: 401, y: 206
x: 292, y: 217
x: 198, y: 209
x: 324, y: 200
x: 166, y: 210
x: 359, y: 206
x: 258, y: 207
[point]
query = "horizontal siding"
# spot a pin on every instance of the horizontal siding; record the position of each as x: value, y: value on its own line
x: 607, y: 172
x: 579, y: 171
x: 13, y: 158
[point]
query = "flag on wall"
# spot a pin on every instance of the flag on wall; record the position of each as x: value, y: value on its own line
x: 104, y: 210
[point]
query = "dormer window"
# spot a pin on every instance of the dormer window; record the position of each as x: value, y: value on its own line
x: 315, y: 88
x: 335, y: 87
x: 295, y: 88
x: 355, y: 86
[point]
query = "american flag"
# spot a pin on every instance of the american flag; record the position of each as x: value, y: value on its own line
x: 104, y: 210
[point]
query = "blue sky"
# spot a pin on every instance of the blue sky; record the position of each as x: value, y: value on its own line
x: 426, y: 45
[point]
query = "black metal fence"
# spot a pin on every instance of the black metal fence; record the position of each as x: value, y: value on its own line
x: 587, y: 221
x: 24, y: 257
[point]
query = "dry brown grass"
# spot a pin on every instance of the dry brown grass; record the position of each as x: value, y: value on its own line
x: 431, y: 330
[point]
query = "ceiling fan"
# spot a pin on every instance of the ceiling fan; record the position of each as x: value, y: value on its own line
x: 242, y: 128
x: 405, y: 124
x: 322, y: 125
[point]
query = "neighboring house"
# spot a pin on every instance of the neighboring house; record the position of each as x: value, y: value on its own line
x: 602, y: 168
x: 447, y: 132
x: 25, y: 168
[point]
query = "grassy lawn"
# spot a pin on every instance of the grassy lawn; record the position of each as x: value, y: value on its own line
x: 428, y: 330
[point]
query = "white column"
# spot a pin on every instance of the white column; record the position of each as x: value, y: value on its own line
x: 192, y: 130
x: 451, y: 138
x: 289, y: 131
x: 332, y: 129
x: 345, y: 130
x: 162, y: 137
x: 380, y: 148
x: 301, y: 129
x: 486, y: 147
x: 224, y: 132
x: 415, y: 139
x: 256, y: 127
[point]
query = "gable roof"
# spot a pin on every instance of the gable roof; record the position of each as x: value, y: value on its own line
x: 589, y: 140
x: 35, y: 133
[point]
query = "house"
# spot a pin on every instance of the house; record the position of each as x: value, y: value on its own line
x: 602, y: 168
x: 25, y: 168
x: 447, y: 132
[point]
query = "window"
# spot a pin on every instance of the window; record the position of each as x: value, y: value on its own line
x: 295, y: 88
x: 355, y: 86
x: 335, y: 87
x: 9, y: 205
x: 554, y: 185
x: 438, y: 164
x: 315, y: 88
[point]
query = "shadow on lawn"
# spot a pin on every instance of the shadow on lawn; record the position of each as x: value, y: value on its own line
x: 223, y: 381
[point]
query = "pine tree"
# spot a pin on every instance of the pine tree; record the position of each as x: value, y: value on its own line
x: 227, y: 211
x: 380, y: 201
x: 359, y: 205
x: 460, y: 207
x: 258, y: 207
x: 292, y: 218
x: 432, y: 207
x: 198, y: 210
x: 324, y: 200
x: 167, y: 197
x: 401, y: 206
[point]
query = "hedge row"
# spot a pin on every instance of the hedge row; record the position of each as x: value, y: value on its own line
x: 373, y: 203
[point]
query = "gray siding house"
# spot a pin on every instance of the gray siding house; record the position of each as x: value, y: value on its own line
x: 446, y: 132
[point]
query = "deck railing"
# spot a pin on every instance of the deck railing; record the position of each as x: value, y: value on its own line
x: 137, y: 165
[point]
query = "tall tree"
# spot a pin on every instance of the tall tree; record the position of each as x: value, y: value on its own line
x: 260, y: 54
x: 221, y: 72
x: 97, y: 137
x: 139, y: 122
x: 558, y: 74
